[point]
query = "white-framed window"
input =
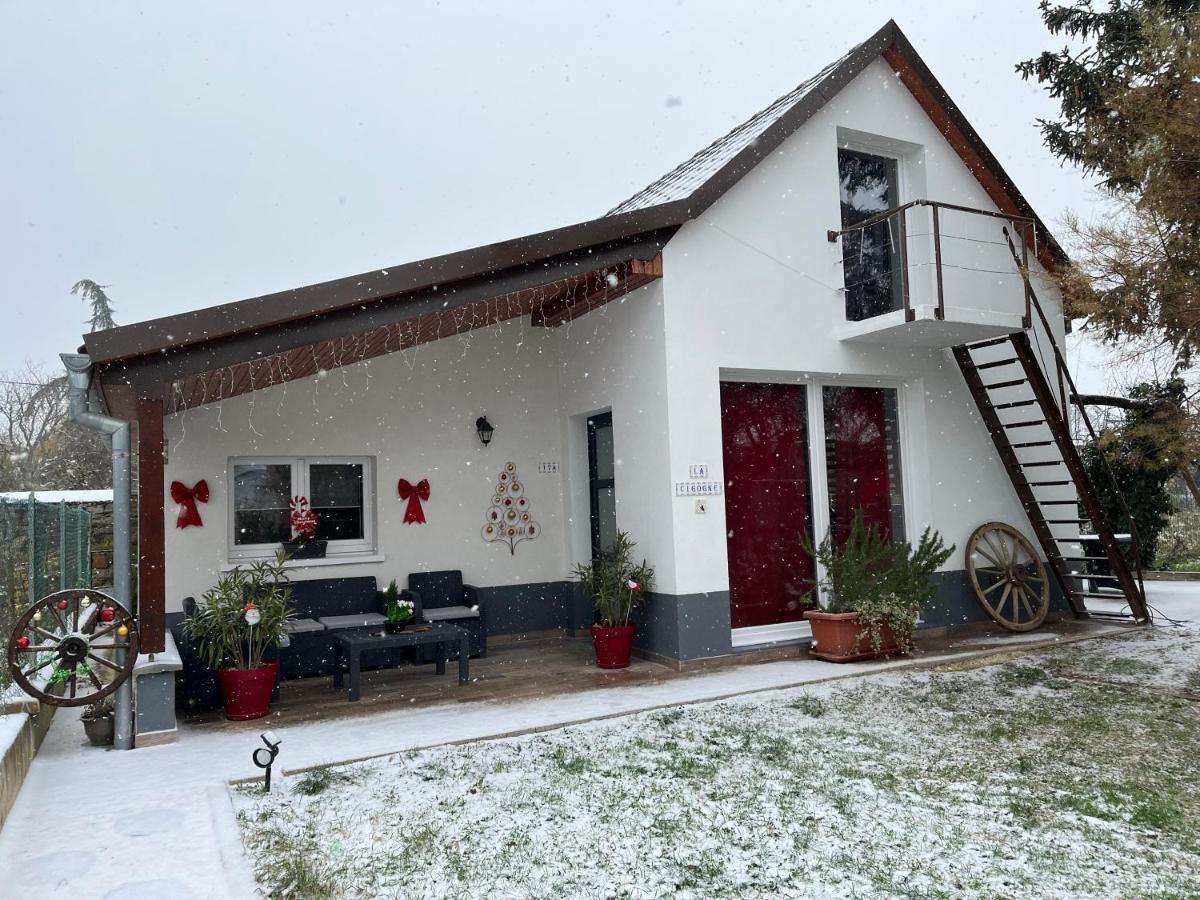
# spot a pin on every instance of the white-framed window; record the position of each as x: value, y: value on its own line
x: 341, y: 490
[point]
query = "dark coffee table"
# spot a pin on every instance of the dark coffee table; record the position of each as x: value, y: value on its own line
x: 355, y: 641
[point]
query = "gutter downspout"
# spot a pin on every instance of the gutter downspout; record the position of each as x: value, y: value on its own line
x: 79, y: 379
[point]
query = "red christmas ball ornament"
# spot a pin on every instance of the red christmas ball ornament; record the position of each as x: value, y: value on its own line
x: 62, y: 604
x: 107, y: 615
x: 251, y: 606
x: 22, y: 642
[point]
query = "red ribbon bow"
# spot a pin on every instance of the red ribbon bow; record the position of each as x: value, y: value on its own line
x: 414, y: 496
x: 186, y: 497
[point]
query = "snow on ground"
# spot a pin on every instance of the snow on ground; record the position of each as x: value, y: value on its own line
x: 1014, y: 780
x: 158, y: 821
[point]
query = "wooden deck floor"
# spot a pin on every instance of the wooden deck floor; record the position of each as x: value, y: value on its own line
x: 512, y: 671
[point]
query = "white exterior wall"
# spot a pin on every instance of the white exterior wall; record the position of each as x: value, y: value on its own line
x: 415, y: 415
x: 753, y: 285
x: 751, y: 290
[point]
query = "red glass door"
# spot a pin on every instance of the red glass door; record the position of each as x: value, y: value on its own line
x: 768, y: 506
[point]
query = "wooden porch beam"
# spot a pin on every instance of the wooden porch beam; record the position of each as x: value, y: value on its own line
x: 152, y: 587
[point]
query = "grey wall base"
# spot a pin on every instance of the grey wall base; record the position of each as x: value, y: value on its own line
x: 685, y: 626
x: 154, y: 696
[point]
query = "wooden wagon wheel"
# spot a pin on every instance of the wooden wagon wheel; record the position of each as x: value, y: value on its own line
x: 1009, y: 579
x: 80, y: 639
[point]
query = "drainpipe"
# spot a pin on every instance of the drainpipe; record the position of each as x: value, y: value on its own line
x: 79, y: 378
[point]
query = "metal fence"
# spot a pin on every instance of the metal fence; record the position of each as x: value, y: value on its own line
x: 44, y: 547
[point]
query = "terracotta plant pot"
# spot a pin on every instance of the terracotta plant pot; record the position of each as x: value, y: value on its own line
x: 838, y: 637
x: 614, y: 646
x: 247, y: 692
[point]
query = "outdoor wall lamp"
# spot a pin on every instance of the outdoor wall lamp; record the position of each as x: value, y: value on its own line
x: 484, y: 429
x: 264, y: 757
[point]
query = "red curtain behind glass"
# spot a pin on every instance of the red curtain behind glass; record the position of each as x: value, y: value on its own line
x: 856, y: 455
x: 767, y: 501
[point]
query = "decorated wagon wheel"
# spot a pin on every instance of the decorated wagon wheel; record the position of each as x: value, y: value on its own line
x: 1009, y: 579
x: 82, y: 640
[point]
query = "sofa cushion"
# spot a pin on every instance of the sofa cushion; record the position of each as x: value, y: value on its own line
x: 358, y: 620
x: 445, y: 613
x: 320, y: 597
x: 444, y: 588
x: 302, y: 626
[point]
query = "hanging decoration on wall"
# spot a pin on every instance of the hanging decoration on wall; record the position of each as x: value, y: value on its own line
x: 508, y: 518
x: 186, y: 497
x: 414, y: 494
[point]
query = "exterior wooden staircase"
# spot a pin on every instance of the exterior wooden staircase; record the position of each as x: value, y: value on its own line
x: 1027, y: 422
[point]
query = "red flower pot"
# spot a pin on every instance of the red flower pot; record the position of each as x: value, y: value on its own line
x: 247, y: 692
x: 838, y: 637
x: 614, y: 646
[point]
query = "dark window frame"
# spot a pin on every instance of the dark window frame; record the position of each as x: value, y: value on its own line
x: 596, y: 484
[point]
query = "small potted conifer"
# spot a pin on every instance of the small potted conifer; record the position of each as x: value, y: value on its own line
x: 398, y: 609
x: 236, y: 623
x: 876, y: 589
x: 617, y: 586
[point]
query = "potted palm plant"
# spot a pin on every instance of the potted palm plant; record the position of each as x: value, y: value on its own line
x: 616, y: 586
x: 238, y: 620
x: 876, y: 590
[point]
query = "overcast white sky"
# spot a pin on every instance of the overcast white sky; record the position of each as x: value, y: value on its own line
x: 192, y: 154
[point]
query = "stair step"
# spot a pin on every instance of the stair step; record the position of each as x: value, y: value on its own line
x: 1057, y: 502
x: 1112, y: 615
x: 1066, y: 521
x: 1083, y: 576
x: 1004, y: 384
x: 1095, y: 596
x: 1049, y: 462
x: 1024, y: 424
x: 990, y: 342
x: 1033, y: 443
x: 997, y: 363
x: 1014, y: 404
x: 1048, y: 483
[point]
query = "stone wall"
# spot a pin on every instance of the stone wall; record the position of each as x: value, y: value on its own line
x: 102, y: 543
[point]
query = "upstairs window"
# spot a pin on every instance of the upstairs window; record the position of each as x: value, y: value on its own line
x: 338, y: 488
x: 871, y: 257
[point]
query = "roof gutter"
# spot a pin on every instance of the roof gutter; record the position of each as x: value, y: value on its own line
x: 79, y: 383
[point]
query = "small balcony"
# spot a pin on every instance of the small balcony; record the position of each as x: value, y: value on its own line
x: 930, y: 274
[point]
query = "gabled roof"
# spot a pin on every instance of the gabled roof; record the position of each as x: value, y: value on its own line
x: 636, y: 228
x: 682, y: 181
x: 700, y: 181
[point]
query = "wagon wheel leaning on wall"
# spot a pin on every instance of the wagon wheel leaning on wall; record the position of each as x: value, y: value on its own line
x: 1009, y: 580
x: 73, y: 648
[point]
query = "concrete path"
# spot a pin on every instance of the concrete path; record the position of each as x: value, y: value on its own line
x: 156, y: 823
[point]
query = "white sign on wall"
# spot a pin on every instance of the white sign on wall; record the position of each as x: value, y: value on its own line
x: 697, y: 488
x: 547, y: 468
x: 698, y: 470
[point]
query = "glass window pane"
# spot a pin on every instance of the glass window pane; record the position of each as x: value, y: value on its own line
x: 862, y: 459
x: 604, y: 451
x: 871, y: 256
x: 336, y: 495
x: 261, y: 494
x: 606, y: 515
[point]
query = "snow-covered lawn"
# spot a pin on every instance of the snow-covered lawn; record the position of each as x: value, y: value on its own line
x: 1068, y: 773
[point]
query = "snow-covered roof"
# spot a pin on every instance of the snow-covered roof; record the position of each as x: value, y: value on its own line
x: 101, y: 496
x: 685, y: 178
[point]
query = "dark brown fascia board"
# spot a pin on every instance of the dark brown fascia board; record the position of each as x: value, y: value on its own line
x: 888, y: 37
x: 202, y: 326
x: 152, y: 373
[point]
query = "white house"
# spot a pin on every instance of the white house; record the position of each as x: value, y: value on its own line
x: 712, y: 366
